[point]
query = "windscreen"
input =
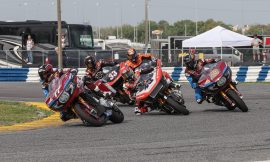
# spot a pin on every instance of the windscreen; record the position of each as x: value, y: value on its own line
x: 81, y: 37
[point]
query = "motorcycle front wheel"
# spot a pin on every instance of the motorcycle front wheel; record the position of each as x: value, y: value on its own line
x: 177, y: 106
x: 237, y: 100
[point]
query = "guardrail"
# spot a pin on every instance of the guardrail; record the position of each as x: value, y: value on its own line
x: 241, y: 74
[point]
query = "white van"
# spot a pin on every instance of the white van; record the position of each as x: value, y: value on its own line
x: 229, y: 54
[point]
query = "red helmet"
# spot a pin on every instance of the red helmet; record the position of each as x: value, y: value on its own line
x: 132, y: 54
x: 45, y: 71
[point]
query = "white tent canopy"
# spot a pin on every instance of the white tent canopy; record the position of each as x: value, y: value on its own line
x: 218, y: 37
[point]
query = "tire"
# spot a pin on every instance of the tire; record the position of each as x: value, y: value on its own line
x: 117, y: 115
x: 88, y: 119
x: 237, y: 100
x: 176, y: 106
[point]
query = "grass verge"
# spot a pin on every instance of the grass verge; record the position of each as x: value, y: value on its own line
x: 14, y: 112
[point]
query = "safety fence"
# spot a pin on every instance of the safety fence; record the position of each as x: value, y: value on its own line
x: 173, y: 57
x: 241, y: 74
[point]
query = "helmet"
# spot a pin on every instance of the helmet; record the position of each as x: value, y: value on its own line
x: 45, y: 71
x: 128, y: 73
x: 90, y: 62
x: 132, y: 54
x: 189, y: 60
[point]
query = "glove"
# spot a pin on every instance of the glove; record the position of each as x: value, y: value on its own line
x: 194, y: 85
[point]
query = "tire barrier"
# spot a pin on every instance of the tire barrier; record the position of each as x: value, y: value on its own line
x: 241, y: 74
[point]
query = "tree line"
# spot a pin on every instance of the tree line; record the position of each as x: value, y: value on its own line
x: 179, y: 28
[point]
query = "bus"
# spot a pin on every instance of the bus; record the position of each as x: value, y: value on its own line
x: 13, y: 36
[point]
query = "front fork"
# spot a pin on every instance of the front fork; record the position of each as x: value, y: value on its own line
x: 227, y: 98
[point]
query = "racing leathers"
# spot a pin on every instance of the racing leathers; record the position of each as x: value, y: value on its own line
x: 141, y: 107
x: 94, y: 74
x: 193, y: 75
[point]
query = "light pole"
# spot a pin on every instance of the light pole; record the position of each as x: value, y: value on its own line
x: 97, y: 4
x: 59, y: 23
x: 146, y: 23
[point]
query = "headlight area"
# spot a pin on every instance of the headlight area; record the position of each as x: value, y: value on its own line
x: 63, y: 97
x: 221, y: 81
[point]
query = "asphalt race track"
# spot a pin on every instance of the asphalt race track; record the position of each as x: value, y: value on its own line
x: 209, y: 133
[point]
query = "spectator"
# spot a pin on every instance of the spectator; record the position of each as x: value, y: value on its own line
x: 256, y: 42
x: 63, y: 43
x: 29, y: 46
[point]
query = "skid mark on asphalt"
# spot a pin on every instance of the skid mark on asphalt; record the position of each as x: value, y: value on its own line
x: 52, y: 120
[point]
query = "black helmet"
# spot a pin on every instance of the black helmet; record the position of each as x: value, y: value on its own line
x: 90, y: 62
x: 132, y: 55
x: 45, y: 71
x: 189, y: 60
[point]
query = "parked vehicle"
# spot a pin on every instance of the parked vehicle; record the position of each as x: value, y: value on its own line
x: 217, y: 86
x: 68, y: 92
x: 157, y: 91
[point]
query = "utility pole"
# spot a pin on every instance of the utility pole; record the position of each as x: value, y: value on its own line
x: 60, y: 56
x: 146, y: 24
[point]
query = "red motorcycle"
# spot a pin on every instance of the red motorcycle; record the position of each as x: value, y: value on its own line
x: 217, y: 86
x: 157, y: 91
x: 68, y: 92
x: 113, y: 77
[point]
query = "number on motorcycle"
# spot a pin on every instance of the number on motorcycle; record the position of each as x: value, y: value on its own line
x: 112, y: 75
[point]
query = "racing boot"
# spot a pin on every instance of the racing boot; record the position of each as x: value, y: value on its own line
x: 141, y: 110
x: 65, y: 116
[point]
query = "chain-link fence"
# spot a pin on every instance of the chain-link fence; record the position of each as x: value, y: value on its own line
x: 75, y: 58
x: 233, y: 56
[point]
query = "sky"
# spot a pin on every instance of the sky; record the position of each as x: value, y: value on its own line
x: 105, y: 13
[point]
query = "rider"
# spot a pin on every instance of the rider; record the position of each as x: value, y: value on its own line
x: 130, y: 81
x: 47, y: 74
x: 94, y: 68
x: 135, y: 60
x: 193, y: 72
x: 94, y: 73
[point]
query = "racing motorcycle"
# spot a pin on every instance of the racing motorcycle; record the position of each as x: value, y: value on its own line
x: 218, y: 88
x: 113, y: 77
x: 68, y: 93
x: 157, y: 91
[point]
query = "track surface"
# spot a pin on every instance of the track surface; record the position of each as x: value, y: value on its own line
x: 209, y: 133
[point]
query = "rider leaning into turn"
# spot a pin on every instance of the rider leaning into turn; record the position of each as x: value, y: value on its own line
x: 135, y: 60
x: 193, y: 73
x: 93, y: 67
x: 47, y: 74
x: 94, y: 73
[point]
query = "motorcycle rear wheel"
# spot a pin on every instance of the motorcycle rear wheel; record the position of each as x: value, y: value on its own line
x: 237, y: 100
x: 87, y: 118
x: 117, y: 115
x: 176, y: 106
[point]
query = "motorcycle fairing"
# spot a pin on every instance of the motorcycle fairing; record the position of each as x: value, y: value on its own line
x: 211, y: 73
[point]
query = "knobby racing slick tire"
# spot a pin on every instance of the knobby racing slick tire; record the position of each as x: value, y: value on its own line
x: 177, y: 106
x: 237, y: 100
x: 117, y: 115
x: 87, y: 118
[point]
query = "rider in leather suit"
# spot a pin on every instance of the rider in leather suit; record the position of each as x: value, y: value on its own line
x: 47, y: 74
x: 135, y: 60
x: 193, y: 73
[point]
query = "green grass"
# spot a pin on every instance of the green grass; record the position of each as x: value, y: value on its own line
x: 14, y: 112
